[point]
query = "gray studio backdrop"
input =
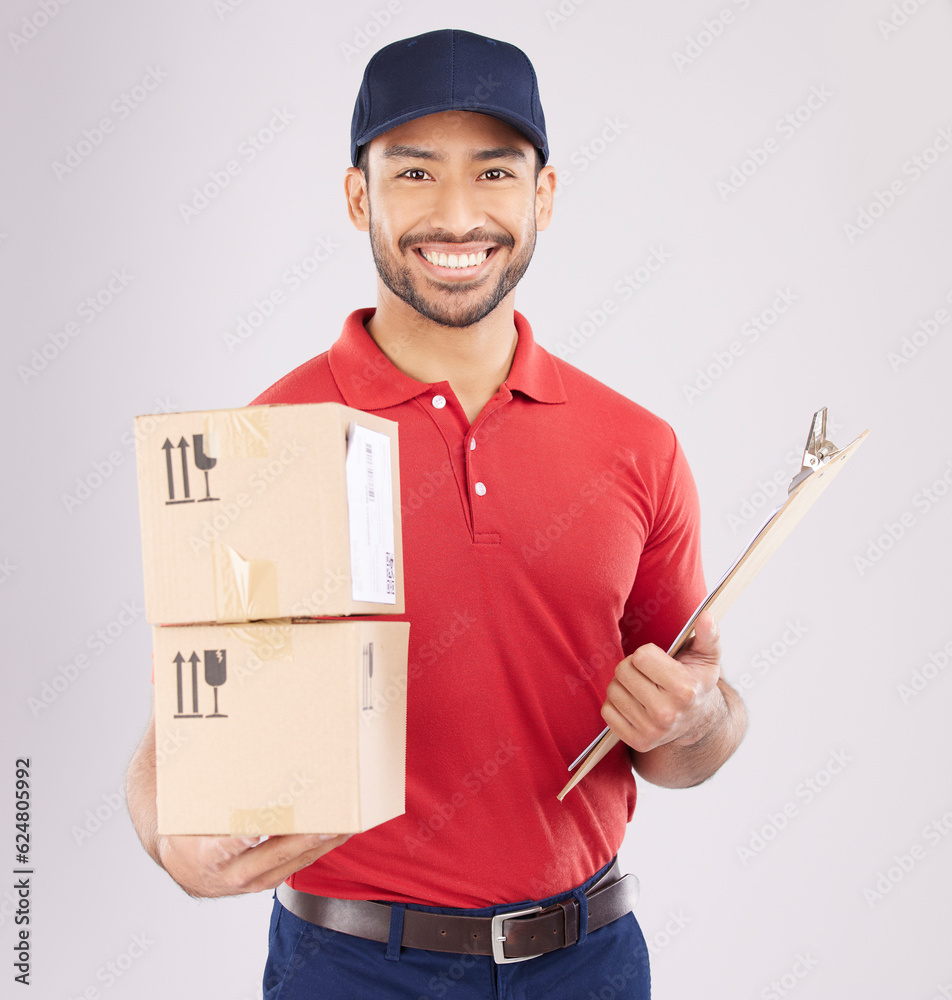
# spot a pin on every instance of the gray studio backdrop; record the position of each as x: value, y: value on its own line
x: 753, y: 222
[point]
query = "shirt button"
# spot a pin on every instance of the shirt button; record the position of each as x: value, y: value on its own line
x: 472, y: 444
x: 439, y: 402
x: 480, y: 489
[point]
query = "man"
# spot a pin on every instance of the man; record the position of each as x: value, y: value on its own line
x: 551, y: 554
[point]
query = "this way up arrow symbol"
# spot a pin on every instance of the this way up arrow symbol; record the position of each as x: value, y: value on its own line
x: 167, y: 448
x: 178, y: 661
x: 183, y: 447
x: 194, y: 660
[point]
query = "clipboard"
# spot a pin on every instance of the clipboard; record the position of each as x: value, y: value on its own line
x: 822, y: 460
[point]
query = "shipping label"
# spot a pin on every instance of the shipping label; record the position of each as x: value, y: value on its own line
x: 370, y: 512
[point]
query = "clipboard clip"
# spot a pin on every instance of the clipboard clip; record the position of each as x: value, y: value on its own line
x: 818, y: 451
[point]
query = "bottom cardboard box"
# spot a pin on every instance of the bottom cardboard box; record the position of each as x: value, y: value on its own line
x: 279, y: 727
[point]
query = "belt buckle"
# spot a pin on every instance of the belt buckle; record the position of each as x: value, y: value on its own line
x: 497, y: 938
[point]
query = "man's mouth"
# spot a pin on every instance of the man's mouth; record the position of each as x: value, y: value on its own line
x: 455, y: 260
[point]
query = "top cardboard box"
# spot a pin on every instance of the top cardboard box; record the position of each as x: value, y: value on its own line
x: 287, y: 511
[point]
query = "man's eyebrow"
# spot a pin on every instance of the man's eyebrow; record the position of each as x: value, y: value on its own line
x: 500, y: 153
x: 399, y: 152
x: 403, y: 152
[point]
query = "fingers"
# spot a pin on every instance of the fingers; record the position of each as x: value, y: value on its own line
x: 223, y: 849
x: 638, y: 709
x: 631, y: 693
x: 650, y: 672
x: 705, y: 643
x: 229, y: 866
x: 654, y: 698
x: 281, y: 857
x: 642, y: 725
x: 627, y: 726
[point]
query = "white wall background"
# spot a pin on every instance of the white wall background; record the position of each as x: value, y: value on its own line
x: 720, y: 925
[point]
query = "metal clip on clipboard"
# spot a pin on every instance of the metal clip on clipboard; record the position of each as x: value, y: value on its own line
x: 822, y: 460
x: 818, y: 451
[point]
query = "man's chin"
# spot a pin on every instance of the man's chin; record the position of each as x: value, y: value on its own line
x: 455, y: 305
x: 446, y: 312
x: 455, y: 322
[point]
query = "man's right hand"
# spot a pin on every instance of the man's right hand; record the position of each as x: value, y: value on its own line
x: 229, y: 866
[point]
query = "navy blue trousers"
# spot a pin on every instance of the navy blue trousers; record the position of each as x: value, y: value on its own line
x: 312, y: 963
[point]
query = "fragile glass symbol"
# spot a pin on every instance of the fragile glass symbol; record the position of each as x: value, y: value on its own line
x: 215, y: 674
x: 204, y: 463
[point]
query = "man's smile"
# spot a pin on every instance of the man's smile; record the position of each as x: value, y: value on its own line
x: 458, y: 260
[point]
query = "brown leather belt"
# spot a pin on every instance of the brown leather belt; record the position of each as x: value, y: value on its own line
x: 509, y: 937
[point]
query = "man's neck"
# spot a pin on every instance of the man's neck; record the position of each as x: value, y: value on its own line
x: 475, y: 360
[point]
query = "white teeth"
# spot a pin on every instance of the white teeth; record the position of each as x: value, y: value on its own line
x: 456, y: 260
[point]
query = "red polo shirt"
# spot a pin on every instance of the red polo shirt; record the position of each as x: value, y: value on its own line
x: 542, y: 544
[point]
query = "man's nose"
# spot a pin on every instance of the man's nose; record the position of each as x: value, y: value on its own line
x: 456, y: 208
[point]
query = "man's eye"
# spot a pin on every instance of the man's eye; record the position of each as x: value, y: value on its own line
x: 495, y: 173
x: 415, y: 173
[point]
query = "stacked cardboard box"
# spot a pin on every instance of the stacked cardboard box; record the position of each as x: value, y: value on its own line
x: 256, y: 524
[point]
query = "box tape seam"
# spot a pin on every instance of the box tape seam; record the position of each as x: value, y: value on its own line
x: 245, y: 589
x: 259, y: 822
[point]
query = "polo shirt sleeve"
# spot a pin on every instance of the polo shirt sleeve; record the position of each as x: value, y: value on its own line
x: 669, y: 584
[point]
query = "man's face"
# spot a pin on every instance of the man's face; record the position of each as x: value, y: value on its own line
x: 453, y: 209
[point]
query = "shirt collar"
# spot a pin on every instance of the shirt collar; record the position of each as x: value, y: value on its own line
x: 534, y: 371
x: 368, y: 380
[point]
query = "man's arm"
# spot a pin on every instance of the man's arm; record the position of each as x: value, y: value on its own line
x: 140, y: 791
x: 680, y: 719
x: 214, y: 866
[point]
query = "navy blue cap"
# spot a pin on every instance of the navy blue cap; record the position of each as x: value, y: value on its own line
x: 447, y: 70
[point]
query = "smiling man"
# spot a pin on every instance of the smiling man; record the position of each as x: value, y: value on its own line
x: 551, y: 553
x: 448, y: 281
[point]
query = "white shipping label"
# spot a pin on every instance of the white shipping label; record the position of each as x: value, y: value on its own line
x: 370, y: 509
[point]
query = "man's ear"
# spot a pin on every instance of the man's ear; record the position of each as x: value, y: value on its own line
x: 545, y: 196
x: 358, y: 205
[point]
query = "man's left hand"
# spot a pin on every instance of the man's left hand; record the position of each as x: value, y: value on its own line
x: 655, y: 699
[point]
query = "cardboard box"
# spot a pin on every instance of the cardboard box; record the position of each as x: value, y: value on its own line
x: 269, y: 512
x: 279, y: 727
